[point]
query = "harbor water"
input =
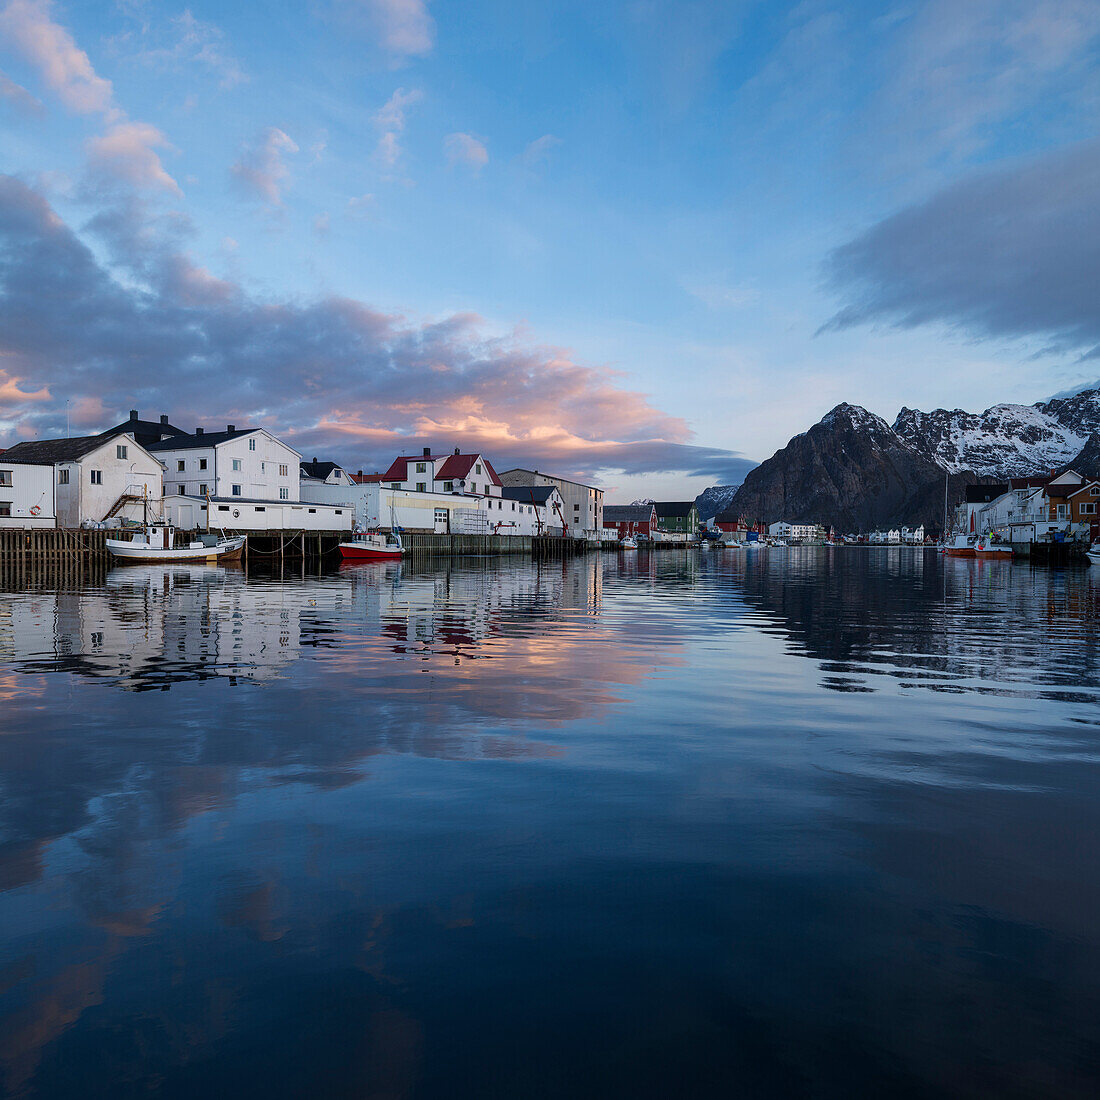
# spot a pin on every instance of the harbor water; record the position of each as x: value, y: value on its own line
x: 788, y: 822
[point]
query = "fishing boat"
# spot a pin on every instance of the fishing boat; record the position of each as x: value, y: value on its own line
x: 992, y: 551
x: 373, y: 546
x: 628, y: 542
x: 1093, y: 553
x: 960, y: 546
x: 156, y: 542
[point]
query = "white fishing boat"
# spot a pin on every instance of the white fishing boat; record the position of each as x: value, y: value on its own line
x: 1093, y: 553
x: 156, y: 542
x: 628, y: 543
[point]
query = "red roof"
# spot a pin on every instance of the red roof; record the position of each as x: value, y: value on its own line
x: 458, y: 466
x: 399, y: 469
x: 367, y: 479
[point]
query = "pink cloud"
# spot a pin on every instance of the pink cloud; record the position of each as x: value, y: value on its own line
x: 126, y: 153
x: 261, y: 169
x: 467, y: 150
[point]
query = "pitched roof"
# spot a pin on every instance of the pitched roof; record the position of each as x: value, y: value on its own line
x: 319, y: 470
x: 528, y: 494
x: 458, y: 466
x: 194, y: 440
x: 367, y: 479
x: 627, y: 513
x: 145, y: 432
x: 45, y: 452
x: 399, y: 468
x: 730, y: 515
x: 555, y: 477
x: 673, y: 509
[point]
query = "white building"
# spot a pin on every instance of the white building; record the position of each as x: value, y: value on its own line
x: 237, y: 515
x: 96, y: 478
x: 784, y: 530
x: 533, y: 510
x: 246, y: 463
x: 913, y: 535
x: 26, y: 494
x: 582, y: 504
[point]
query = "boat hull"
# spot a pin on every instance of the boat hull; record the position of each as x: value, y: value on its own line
x: 958, y: 551
x: 989, y: 554
x: 125, y: 553
x: 351, y: 552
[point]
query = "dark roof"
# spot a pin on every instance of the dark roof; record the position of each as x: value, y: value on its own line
x: 319, y: 470
x: 195, y: 440
x: 673, y: 509
x: 627, y: 513
x: 983, y: 494
x: 45, y: 452
x: 527, y: 494
x: 145, y: 432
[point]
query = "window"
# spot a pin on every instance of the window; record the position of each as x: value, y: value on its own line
x: 223, y: 507
x: 513, y: 505
x: 120, y: 451
x: 421, y: 486
x: 182, y: 489
x: 5, y: 478
x: 312, y: 511
x: 263, y: 467
x: 252, y: 444
x: 1063, y: 511
x: 236, y: 491
x: 202, y: 463
x: 5, y: 509
x: 260, y: 508
x: 96, y: 477
x: 62, y: 477
x: 180, y: 466
x: 576, y: 507
x: 203, y: 490
x: 1088, y: 509
x: 284, y: 494
x: 1095, y: 491
x: 448, y: 486
x: 339, y: 511
x: 420, y: 467
x: 283, y: 471
x: 236, y: 464
x: 477, y: 468
x: 395, y: 484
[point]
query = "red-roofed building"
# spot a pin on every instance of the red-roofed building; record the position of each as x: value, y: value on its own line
x: 463, y: 474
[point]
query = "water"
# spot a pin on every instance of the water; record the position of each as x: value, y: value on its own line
x: 799, y: 822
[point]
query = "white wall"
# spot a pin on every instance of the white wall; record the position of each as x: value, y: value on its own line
x: 188, y: 513
x: 258, y: 476
x: 82, y: 499
x: 31, y: 487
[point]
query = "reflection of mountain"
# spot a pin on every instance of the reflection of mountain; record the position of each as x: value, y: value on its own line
x: 895, y: 612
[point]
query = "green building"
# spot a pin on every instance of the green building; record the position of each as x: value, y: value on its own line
x: 679, y: 517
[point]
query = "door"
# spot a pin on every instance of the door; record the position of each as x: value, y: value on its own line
x: 442, y: 521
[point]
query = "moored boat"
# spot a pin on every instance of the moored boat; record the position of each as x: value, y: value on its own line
x: 156, y: 542
x: 373, y: 546
x: 994, y: 551
x: 1093, y: 553
x: 628, y: 543
x: 961, y: 546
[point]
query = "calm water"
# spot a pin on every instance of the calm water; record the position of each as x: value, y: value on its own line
x: 811, y: 823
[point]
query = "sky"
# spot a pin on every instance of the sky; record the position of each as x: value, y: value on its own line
x: 641, y: 244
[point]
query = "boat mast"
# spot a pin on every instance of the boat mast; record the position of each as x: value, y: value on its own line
x: 945, y: 477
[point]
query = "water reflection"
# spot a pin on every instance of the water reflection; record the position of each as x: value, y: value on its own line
x: 781, y: 823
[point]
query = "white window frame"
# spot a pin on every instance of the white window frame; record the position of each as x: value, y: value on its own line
x: 235, y: 491
x: 284, y: 493
x: 121, y: 451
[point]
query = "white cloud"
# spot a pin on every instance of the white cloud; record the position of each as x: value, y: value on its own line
x: 390, y: 119
x: 19, y: 97
x: 125, y: 152
x: 64, y: 67
x: 402, y: 28
x: 538, y: 151
x: 465, y: 149
x: 322, y: 224
x: 261, y: 170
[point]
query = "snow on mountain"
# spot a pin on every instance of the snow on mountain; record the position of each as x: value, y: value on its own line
x: 1003, y: 441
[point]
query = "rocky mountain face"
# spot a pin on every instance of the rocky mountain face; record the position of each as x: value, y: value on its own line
x: 856, y: 472
x: 714, y: 501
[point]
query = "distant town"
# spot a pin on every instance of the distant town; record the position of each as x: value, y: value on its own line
x: 248, y: 480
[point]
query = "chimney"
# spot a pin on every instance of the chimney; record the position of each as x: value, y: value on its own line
x: 199, y: 431
x: 164, y: 418
x: 231, y: 427
x: 427, y: 452
x: 134, y: 415
x: 456, y: 450
x: 360, y: 474
x: 314, y: 460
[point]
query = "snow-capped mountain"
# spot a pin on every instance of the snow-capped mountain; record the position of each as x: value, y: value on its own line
x: 714, y: 501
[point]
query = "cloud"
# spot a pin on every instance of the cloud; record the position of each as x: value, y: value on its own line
x: 185, y: 40
x: 64, y: 67
x: 322, y: 224
x: 332, y: 374
x: 19, y: 98
x: 260, y: 169
x: 125, y: 152
x: 1008, y: 252
x: 537, y: 152
x: 467, y: 150
x: 401, y: 28
x: 390, y: 119
x: 361, y: 206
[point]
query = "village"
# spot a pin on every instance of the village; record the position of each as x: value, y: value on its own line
x: 248, y: 481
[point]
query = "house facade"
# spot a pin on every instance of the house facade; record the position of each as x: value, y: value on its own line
x: 582, y: 504
x: 677, y: 518
x: 237, y: 515
x: 96, y: 478
x: 242, y: 463
x: 533, y: 510
x: 463, y: 474
x: 630, y: 519
x: 27, y: 495
x: 784, y: 530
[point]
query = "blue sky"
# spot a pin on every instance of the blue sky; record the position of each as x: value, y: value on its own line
x: 637, y: 242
